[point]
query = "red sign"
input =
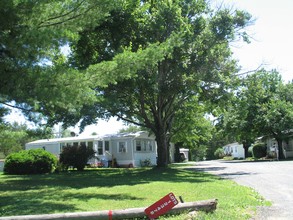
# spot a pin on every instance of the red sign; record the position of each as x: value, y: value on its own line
x: 162, y: 206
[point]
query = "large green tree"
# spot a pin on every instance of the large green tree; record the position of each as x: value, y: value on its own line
x: 141, y: 62
x: 275, y: 116
x: 186, y: 54
x: 262, y: 106
x: 34, y: 75
x: 32, y: 34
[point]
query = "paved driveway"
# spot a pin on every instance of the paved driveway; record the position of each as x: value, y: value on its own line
x: 273, y: 180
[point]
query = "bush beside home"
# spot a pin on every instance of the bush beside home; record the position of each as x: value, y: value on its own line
x: 76, y: 156
x: 34, y: 161
x: 219, y: 153
x: 259, y: 150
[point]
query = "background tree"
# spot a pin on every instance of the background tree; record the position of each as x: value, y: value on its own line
x: 192, y: 129
x: 237, y: 122
x: 262, y: 106
x: 197, y: 63
x: 130, y: 129
x: 11, y: 141
x: 218, y: 140
x: 14, y: 136
x: 276, y: 117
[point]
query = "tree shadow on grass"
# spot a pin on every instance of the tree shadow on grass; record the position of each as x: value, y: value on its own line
x: 55, y: 193
x: 10, y: 206
x: 102, y: 178
x: 50, y: 201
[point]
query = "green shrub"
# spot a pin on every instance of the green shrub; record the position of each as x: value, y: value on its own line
x: 219, y: 153
x: 146, y: 163
x: 259, y: 150
x: 34, y: 161
x: 76, y: 156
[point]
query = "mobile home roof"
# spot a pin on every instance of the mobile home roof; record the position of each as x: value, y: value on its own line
x: 67, y: 139
x: 88, y: 138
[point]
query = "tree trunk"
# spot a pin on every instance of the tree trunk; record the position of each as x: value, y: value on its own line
x: 246, y: 145
x: 162, y: 150
x: 280, y: 149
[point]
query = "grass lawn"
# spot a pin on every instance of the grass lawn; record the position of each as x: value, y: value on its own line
x: 109, y: 189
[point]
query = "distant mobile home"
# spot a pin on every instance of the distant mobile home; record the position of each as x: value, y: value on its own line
x: 272, y: 145
x: 184, y: 154
x: 236, y: 150
x: 129, y: 149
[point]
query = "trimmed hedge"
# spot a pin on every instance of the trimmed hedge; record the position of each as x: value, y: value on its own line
x: 259, y: 150
x: 34, y: 161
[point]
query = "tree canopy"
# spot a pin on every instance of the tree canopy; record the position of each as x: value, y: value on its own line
x: 262, y: 105
x: 14, y: 136
x: 186, y: 57
x: 31, y: 36
x: 141, y: 61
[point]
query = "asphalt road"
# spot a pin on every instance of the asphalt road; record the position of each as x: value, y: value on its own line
x: 272, y: 179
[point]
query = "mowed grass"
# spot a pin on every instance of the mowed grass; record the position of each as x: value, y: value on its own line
x: 109, y: 189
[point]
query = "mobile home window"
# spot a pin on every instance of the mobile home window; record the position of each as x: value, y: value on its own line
x: 62, y: 145
x: 121, y: 147
x: 100, y: 147
x: 138, y: 145
x: 150, y: 145
x: 107, y: 146
x: 144, y: 146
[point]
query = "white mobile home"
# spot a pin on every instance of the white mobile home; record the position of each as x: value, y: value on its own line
x: 272, y: 146
x: 236, y: 150
x: 129, y: 149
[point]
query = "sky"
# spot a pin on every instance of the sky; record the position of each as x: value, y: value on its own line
x: 271, y: 46
x: 272, y: 35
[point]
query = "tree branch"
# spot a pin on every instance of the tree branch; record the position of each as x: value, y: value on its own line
x: 250, y: 71
x: 129, y: 120
x: 18, y: 107
x: 63, y: 15
x: 42, y: 25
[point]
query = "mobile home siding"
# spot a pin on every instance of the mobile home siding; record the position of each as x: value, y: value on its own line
x: 121, y: 147
x: 122, y: 151
x: 53, y: 148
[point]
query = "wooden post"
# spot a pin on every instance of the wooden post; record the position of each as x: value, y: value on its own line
x: 206, y: 205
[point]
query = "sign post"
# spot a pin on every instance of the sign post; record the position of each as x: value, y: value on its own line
x: 162, y: 206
